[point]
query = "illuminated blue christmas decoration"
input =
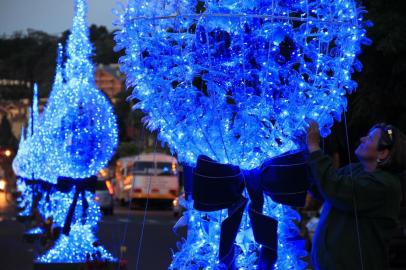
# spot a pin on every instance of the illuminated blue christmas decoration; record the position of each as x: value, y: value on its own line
x: 25, y: 164
x: 234, y: 80
x: 80, y: 117
x: 74, y: 247
x: 79, y: 130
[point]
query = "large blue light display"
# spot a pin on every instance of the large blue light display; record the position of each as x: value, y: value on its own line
x: 24, y: 164
x: 81, y: 118
x: 234, y: 80
x: 78, y: 135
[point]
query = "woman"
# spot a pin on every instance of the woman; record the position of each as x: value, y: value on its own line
x: 361, y: 201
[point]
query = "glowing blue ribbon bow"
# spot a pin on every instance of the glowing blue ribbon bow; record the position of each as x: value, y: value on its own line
x: 218, y: 186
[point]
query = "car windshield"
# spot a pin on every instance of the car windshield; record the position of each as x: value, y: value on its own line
x: 164, y: 168
x: 143, y: 168
x: 148, y: 168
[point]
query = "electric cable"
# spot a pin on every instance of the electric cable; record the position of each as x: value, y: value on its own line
x: 354, y: 194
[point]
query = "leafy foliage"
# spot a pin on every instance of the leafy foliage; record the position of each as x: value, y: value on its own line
x: 30, y: 57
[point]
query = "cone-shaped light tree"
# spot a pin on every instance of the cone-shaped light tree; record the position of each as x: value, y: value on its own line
x: 25, y: 165
x: 83, y: 128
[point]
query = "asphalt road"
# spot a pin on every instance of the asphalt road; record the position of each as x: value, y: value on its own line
x: 121, y: 229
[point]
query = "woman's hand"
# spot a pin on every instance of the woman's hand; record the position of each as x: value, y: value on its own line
x: 313, y: 136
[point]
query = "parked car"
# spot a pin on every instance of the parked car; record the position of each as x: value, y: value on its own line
x: 177, y: 207
x: 104, y: 196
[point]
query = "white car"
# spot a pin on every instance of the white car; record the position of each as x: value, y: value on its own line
x: 104, y: 196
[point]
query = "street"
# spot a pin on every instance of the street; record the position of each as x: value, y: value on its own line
x: 121, y: 229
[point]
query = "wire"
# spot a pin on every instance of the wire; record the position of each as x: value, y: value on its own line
x: 242, y: 15
x: 354, y: 197
x: 143, y: 138
x: 145, y: 210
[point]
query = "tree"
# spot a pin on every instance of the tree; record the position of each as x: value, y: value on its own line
x: 7, y: 138
x: 7, y: 142
x: 381, y: 92
x: 29, y: 57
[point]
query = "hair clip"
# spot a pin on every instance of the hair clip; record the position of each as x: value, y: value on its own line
x: 390, y: 132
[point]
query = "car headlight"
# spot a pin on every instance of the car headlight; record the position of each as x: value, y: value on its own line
x: 3, y: 184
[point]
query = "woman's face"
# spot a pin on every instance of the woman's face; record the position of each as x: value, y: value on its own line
x: 368, y: 148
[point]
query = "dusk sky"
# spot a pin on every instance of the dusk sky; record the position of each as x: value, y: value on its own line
x: 51, y: 16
